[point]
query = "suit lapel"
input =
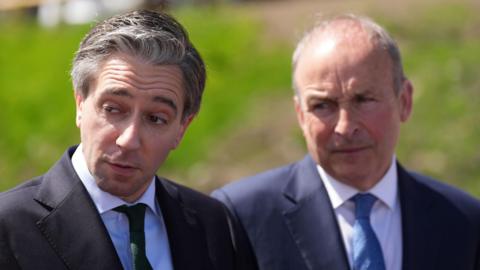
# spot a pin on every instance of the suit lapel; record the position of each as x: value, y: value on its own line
x: 420, y: 228
x: 311, y: 220
x: 73, y: 226
x: 186, y: 235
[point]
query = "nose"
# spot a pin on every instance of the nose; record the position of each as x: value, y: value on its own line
x: 129, y: 137
x: 346, y: 125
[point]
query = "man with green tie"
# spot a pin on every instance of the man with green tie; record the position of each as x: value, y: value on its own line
x: 138, y: 83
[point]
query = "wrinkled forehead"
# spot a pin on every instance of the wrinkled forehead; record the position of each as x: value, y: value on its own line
x: 129, y: 64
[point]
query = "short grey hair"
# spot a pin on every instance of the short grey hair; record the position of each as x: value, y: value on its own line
x: 156, y: 38
x: 376, y: 33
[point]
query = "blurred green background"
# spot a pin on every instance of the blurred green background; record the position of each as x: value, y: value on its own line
x: 247, y: 122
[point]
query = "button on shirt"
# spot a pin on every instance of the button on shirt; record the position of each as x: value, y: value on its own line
x: 157, y: 246
x: 385, y: 217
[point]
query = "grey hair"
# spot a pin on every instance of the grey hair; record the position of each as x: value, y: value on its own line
x: 376, y: 33
x: 155, y: 38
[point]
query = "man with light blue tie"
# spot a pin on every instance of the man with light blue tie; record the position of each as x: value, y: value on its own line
x: 138, y: 83
x: 349, y: 204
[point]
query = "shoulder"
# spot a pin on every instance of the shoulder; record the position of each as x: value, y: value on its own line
x: 20, y: 196
x: 262, y: 186
x: 192, y: 199
x: 448, y: 196
x: 19, y: 212
x: 222, y: 233
x: 270, y: 192
x: 449, y: 192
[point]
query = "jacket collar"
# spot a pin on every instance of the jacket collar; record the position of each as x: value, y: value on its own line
x: 322, y: 244
x: 186, y: 234
x: 311, y: 220
x: 421, y: 225
x: 72, y: 225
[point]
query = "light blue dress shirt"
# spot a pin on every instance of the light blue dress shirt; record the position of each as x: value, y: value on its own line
x: 156, y: 238
x: 385, y: 218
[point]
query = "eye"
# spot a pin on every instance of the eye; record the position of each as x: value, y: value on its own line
x: 157, y: 119
x: 322, y: 107
x: 364, y: 99
x: 110, y: 108
x: 365, y: 103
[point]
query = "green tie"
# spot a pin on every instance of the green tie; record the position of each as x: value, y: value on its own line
x: 136, y: 218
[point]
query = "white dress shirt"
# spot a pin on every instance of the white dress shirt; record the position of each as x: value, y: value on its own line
x: 156, y: 239
x: 385, y: 217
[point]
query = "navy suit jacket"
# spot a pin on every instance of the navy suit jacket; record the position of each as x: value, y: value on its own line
x: 291, y: 224
x: 51, y: 223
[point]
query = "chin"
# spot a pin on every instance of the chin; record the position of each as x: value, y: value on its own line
x: 351, y: 173
x: 114, y: 187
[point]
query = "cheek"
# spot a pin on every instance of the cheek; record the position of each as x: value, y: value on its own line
x: 159, y: 144
x: 155, y: 152
x: 383, y: 127
x: 95, y: 132
x: 316, y: 132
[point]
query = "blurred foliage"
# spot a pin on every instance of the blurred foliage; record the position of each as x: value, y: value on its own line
x: 441, y: 56
x: 37, y: 102
x: 36, y: 98
x: 239, y: 68
x: 440, y: 48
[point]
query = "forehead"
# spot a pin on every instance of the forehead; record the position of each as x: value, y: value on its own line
x: 127, y: 73
x: 344, y: 61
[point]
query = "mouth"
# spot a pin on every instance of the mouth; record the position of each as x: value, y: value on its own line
x: 122, y: 168
x: 350, y: 150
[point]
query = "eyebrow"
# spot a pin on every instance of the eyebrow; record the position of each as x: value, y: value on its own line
x: 318, y: 95
x: 169, y: 102
x: 158, y: 99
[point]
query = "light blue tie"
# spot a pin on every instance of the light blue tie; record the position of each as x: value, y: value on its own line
x: 367, y: 253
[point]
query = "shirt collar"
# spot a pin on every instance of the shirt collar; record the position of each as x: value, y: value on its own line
x: 385, y: 190
x: 105, y: 201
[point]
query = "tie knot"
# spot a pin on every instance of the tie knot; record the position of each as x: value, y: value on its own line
x: 135, y: 215
x: 363, y: 205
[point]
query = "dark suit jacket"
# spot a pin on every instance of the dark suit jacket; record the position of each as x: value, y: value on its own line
x: 51, y: 223
x: 291, y: 224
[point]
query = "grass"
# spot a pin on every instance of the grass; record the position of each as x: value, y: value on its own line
x: 440, y: 48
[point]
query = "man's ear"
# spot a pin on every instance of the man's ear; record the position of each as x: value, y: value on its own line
x: 79, y: 108
x: 183, y: 127
x: 406, y: 100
